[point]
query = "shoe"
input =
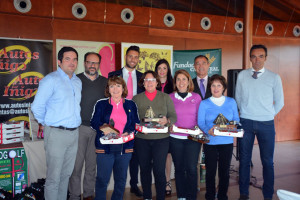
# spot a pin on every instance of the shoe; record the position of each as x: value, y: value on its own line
x: 168, y: 192
x: 244, y: 197
x: 136, y: 191
x: 89, y: 198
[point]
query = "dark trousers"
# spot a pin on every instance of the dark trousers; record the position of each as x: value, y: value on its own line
x: 134, y: 169
x: 106, y: 163
x: 185, y: 154
x: 217, y: 155
x: 152, y: 154
x: 265, y: 134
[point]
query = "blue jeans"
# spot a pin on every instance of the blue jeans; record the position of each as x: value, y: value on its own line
x: 106, y: 163
x: 185, y: 154
x: 265, y: 133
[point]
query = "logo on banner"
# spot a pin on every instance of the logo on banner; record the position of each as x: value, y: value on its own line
x: 14, y: 58
x: 23, y: 86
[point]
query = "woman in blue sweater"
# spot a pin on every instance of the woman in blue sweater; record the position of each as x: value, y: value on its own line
x: 218, y: 151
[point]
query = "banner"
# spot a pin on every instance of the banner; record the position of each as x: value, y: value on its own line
x: 13, y: 171
x: 105, y: 49
x: 22, y: 65
x: 149, y: 55
x: 184, y: 59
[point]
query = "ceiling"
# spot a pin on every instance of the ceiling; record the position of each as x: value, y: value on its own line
x: 274, y: 10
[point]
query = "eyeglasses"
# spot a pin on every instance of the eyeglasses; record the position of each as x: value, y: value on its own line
x: 89, y: 63
x: 149, y: 79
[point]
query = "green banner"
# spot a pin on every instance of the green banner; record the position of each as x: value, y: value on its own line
x: 16, y: 174
x: 184, y: 59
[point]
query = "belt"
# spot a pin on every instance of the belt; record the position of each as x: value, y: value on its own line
x: 64, y: 128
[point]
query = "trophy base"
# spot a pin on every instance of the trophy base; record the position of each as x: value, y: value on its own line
x: 120, y: 140
x: 202, y: 139
x: 195, y: 131
x: 150, y: 129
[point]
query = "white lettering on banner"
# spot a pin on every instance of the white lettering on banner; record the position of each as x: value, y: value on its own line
x: 181, y: 65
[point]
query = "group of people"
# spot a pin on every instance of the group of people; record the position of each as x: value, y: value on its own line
x: 73, y: 108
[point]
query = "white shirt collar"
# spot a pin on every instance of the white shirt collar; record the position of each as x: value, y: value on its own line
x: 177, y: 96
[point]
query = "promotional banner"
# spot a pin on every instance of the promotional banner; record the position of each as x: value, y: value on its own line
x: 13, y: 169
x: 105, y: 49
x: 22, y: 65
x: 149, y: 55
x: 184, y: 59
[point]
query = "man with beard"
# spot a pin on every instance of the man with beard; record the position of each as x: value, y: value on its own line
x: 131, y: 76
x: 93, y: 87
x: 201, y: 65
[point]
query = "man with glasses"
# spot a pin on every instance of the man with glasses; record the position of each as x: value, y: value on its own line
x: 93, y: 87
x: 201, y: 65
x: 131, y: 76
x: 259, y: 96
x: 56, y: 107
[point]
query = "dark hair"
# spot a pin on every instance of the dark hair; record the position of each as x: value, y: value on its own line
x: 259, y: 46
x: 220, y: 78
x: 116, y: 80
x: 61, y: 52
x: 164, y: 61
x: 133, y: 48
x: 154, y: 74
x: 184, y: 72
x: 201, y: 56
x: 92, y: 53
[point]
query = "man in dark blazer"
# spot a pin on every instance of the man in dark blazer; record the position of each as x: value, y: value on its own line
x: 201, y: 64
x: 132, y: 59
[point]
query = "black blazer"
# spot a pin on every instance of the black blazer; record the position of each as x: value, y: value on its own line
x: 197, y: 89
x: 138, y: 77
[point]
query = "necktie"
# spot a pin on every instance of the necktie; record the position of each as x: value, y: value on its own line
x: 202, y: 88
x: 129, y: 86
x: 255, y: 74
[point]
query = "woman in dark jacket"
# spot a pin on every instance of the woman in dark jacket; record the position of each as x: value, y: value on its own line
x: 113, y: 157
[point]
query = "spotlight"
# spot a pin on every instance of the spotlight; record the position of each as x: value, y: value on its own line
x: 269, y: 29
x: 22, y: 6
x: 238, y: 26
x: 296, y: 31
x: 79, y: 10
x: 205, y: 23
x: 169, y: 19
x: 127, y: 15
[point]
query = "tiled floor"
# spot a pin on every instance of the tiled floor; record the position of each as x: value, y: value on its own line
x: 287, y: 174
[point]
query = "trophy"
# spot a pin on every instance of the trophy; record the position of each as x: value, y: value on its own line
x: 227, y: 128
x: 150, y: 123
x: 150, y: 116
x: 114, y: 137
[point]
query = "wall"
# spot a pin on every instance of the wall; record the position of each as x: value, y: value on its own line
x: 51, y: 20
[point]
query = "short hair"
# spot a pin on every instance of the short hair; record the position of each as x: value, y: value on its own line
x: 164, y: 61
x: 92, y: 53
x: 61, y: 52
x: 259, y: 46
x: 116, y: 80
x: 154, y: 74
x: 220, y: 78
x: 201, y: 56
x: 133, y: 48
x: 185, y: 73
